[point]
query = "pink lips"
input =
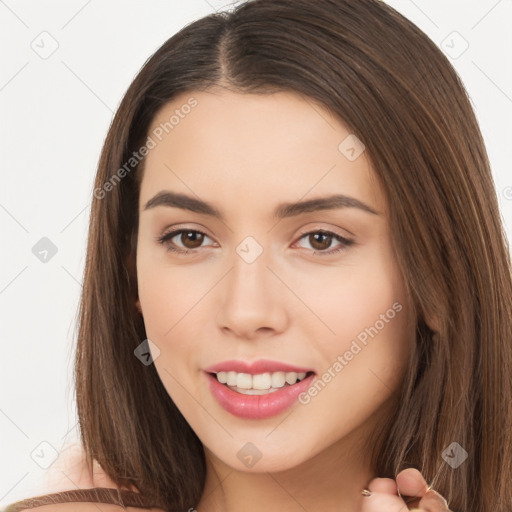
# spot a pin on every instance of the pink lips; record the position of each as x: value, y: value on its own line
x: 256, y: 406
x: 261, y: 366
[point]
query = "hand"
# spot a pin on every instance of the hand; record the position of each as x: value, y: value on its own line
x: 410, y: 483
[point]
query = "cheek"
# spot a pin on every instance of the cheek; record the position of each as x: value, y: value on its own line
x: 362, y: 365
x: 363, y: 338
x: 167, y: 298
x: 174, y: 302
x: 167, y: 292
x: 354, y: 299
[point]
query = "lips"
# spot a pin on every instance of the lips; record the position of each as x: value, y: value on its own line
x: 257, y: 367
x: 256, y: 407
x: 259, y: 406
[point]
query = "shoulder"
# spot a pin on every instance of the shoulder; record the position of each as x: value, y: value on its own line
x: 70, y: 473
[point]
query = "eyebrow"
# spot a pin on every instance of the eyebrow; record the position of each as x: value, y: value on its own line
x: 283, y: 210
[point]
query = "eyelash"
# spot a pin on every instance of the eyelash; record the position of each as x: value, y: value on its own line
x: 345, y: 242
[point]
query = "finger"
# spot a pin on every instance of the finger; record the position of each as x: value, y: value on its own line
x: 410, y: 482
x: 384, y: 485
x: 434, y: 502
x: 378, y: 502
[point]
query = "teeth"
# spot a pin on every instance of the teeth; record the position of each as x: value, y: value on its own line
x: 278, y: 379
x: 244, y: 381
x: 291, y: 378
x: 222, y: 377
x: 259, y: 382
x: 230, y: 378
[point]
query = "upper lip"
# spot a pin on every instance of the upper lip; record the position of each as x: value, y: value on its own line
x: 256, y: 367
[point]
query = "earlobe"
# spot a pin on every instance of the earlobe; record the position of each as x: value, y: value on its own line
x: 434, y: 323
x: 138, y: 306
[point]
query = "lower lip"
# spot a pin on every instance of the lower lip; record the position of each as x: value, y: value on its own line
x: 257, y: 407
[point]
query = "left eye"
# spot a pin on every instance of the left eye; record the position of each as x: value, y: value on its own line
x: 191, y: 239
x: 321, y: 240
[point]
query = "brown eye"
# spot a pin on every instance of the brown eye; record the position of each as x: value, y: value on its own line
x: 182, y: 240
x: 191, y: 239
x: 320, y: 241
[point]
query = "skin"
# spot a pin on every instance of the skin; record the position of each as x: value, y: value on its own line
x: 246, y: 154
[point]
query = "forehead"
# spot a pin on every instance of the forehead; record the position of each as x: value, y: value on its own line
x: 265, y: 147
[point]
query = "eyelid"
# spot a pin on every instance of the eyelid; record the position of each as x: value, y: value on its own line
x: 303, y: 231
x: 184, y: 227
x: 315, y: 228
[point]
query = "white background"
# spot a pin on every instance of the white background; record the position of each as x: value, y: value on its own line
x: 55, y: 113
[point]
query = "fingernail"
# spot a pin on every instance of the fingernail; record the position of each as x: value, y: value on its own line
x: 366, y: 492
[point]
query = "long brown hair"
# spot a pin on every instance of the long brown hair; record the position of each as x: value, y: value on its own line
x: 400, y: 96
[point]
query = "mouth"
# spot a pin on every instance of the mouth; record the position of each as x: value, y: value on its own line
x: 257, y: 396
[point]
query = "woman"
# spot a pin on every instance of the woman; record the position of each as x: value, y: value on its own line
x: 297, y: 292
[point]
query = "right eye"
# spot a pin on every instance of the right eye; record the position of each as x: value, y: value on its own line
x: 190, y: 238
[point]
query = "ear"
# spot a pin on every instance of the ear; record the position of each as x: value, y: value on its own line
x: 433, y: 323
x: 138, y: 306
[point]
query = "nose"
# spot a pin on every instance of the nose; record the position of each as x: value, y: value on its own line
x: 252, y: 300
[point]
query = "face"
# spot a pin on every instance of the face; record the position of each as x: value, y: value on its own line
x: 246, y: 288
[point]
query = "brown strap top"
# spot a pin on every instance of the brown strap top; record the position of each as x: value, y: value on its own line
x: 95, y: 495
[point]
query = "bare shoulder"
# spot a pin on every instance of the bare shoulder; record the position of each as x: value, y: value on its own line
x: 70, y: 472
